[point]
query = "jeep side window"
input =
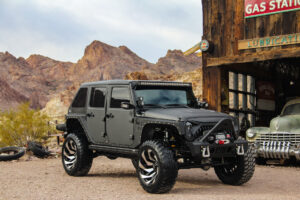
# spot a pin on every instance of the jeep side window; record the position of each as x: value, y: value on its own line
x: 80, y: 98
x: 97, y: 97
x: 119, y: 95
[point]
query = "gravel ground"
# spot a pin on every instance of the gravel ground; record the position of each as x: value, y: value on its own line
x: 116, y: 179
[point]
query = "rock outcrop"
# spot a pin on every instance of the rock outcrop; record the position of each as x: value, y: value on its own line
x: 10, y: 98
x: 51, y: 84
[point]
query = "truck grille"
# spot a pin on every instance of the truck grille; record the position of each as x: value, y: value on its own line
x: 293, y: 138
x: 207, y: 127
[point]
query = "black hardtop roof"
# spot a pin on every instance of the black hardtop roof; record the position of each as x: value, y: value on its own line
x: 137, y: 82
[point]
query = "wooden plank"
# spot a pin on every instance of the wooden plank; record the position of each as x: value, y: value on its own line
x: 254, y: 57
x: 228, y: 25
x: 222, y: 32
x: 205, y: 17
x: 212, y: 87
x: 260, y: 29
x: 239, y: 24
x: 297, y: 22
x: 250, y: 31
x: 209, y: 10
x: 290, y: 19
x: 206, y: 9
x: 215, y: 29
x: 272, y: 41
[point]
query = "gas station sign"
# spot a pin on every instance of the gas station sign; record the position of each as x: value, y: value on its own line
x: 256, y: 8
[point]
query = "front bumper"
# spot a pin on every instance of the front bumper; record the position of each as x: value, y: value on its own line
x: 277, y: 150
x: 205, y: 150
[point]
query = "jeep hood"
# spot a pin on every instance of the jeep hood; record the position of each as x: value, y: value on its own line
x: 287, y: 123
x: 185, y: 114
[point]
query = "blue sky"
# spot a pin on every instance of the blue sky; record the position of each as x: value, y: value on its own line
x: 61, y: 29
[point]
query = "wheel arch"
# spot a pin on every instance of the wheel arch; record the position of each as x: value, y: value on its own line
x: 74, y: 125
x: 155, y: 131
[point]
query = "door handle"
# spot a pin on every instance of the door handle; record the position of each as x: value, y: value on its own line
x: 91, y: 114
x: 110, y: 115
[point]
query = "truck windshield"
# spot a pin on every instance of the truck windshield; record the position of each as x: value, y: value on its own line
x: 166, y: 96
x: 293, y: 109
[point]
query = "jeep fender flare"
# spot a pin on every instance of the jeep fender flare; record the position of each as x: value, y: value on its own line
x: 148, y: 131
x: 75, y: 125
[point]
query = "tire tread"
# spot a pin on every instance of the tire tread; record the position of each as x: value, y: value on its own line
x: 169, y: 168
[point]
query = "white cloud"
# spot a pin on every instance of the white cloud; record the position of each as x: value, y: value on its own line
x: 153, y: 25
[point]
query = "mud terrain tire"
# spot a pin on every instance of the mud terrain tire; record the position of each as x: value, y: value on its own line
x: 157, y: 169
x: 239, y: 173
x: 77, y: 159
x: 38, y: 150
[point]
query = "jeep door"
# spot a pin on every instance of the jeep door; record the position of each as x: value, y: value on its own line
x: 119, y: 121
x: 96, y: 114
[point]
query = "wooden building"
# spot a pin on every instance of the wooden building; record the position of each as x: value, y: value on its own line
x: 253, y: 67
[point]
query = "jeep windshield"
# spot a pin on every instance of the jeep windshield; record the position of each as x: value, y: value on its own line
x: 293, y: 109
x: 166, y: 96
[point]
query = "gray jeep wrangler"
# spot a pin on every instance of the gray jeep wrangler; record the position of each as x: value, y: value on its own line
x: 160, y: 126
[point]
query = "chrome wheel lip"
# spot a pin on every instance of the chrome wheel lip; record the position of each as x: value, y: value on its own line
x: 69, y: 154
x: 148, y: 166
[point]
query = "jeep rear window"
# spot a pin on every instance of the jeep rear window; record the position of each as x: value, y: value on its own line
x: 293, y: 109
x: 80, y: 99
x: 119, y: 95
x: 97, y: 97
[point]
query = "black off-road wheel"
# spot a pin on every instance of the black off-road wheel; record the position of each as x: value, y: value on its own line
x: 157, y: 169
x: 240, y: 172
x: 77, y: 159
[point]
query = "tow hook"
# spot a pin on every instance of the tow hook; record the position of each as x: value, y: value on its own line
x: 240, y: 150
x: 205, y: 152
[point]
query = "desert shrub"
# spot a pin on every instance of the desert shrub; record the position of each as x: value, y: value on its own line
x: 18, y: 126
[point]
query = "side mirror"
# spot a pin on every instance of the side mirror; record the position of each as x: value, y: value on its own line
x: 202, y: 104
x: 126, y: 105
x: 140, y: 102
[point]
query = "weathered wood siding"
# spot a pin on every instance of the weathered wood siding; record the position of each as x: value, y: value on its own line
x: 224, y: 24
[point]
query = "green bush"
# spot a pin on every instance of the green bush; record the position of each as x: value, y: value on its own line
x: 23, y: 124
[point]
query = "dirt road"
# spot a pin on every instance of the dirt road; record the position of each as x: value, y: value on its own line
x: 46, y: 179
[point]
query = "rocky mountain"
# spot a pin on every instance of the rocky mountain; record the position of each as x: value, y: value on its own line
x: 9, y: 96
x: 172, y: 64
x: 51, y: 84
x: 194, y: 77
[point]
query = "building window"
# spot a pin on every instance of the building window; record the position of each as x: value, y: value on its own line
x: 242, y: 98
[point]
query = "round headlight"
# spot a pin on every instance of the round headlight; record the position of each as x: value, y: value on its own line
x: 188, y: 125
x: 188, y: 133
x: 250, y: 134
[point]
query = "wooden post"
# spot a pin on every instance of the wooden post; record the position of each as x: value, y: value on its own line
x: 212, y: 87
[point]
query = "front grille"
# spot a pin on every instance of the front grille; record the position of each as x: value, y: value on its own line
x: 206, y: 127
x: 293, y: 138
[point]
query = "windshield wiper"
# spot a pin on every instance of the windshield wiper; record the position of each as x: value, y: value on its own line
x: 176, y: 104
x: 154, y: 105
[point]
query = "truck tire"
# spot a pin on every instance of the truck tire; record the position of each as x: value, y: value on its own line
x: 38, y: 150
x: 5, y: 153
x: 157, y: 169
x: 240, y: 172
x: 135, y: 163
x: 77, y: 159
